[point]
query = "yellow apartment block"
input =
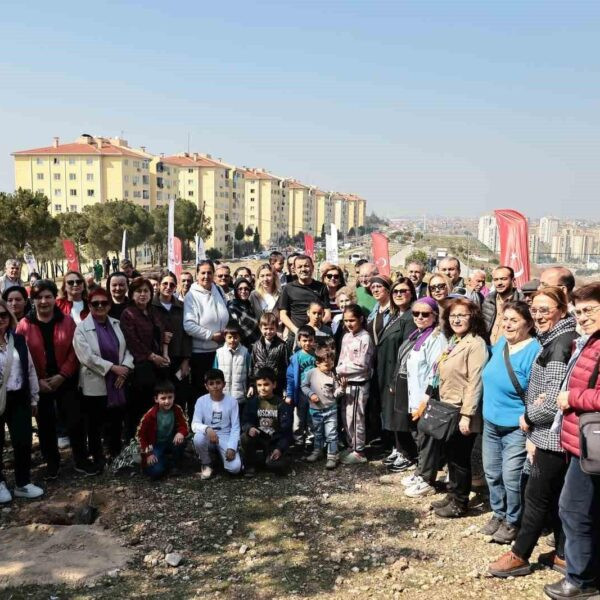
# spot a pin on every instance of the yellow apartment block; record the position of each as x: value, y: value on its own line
x: 164, y: 182
x: 89, y: 170
x: 302, y: 209
x: 325, y: 211
x: 340, y: 213
x: 266, y: 206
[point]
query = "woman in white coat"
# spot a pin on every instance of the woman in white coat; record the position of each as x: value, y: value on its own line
x: 105, y: 365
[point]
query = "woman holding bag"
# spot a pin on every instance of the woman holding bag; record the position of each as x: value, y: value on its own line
x: 105, y: 364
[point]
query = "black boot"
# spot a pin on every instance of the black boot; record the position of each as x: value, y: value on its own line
x: 452, y: 510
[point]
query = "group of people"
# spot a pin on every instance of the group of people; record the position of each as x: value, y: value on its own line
x: 260, y: 369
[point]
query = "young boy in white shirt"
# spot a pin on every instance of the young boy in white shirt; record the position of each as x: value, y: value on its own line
x: 216, y: 425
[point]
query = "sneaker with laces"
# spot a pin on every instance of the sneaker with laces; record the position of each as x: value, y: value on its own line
x: 491, y: 526
x: 332, y: 462
x: 505, y: 534
x: 400, y: 465
x: 420, y: 489
x: 411, y: 480
x: 509, y: 565
x: 206, y: 472
x: 249, y: 472
x: 314, y: 456
x: 388, y: 460
x: 5, y: 495
x: 29, y: 491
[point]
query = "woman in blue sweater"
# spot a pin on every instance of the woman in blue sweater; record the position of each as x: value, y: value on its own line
x: 503, y: 404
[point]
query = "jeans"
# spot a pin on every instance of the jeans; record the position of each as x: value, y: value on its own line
x: 503, y: 459
x: 580, y: 514
x: 324, y: 425
x: 541, y: 502
x: 252, y: 446
x: 168, y: 455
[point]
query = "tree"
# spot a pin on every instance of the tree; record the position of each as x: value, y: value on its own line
x: 256, y: 240
x: 214, y: 254
x: 419, y: 255
x: 351, y: 232
x: 249, y: 232
x: 25, y: 218
x: 239, y: 232
x: 74, y: 226
x: 323, y: 233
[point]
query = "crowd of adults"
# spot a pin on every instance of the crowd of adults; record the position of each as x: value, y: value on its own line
x: 428, y: 362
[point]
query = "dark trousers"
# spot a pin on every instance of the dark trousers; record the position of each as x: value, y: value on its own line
x: 580, y: 514
x: 168, y: 455
x: 67, y: 401
x: 184, y: 395
x: 140, y: 396
x: 100, y: 420
x: 252, y: 447
x: 405, y: 442
x: 544, y: 484
x: 199, y: 364
x: 17, y: 416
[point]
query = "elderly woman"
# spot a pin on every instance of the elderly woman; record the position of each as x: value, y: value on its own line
x: 73, y: 297
x: 439, y: 287
x: 205, y: 317
x: 580, y: 497
x: 268, y: 289
x: 147, y: 334
x: 394, y: 413
x: 456, y: 380
x: 105, y: 364
x: 18, y: 301
x: 503, y: 405
x: 241, y: 311
x: 333, y: 278
x: 556, y: 334
x: 18, y: 401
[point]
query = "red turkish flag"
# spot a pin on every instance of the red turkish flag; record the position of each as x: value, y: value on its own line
x: 514, y: 243
x: 381, y: 253
x: 309, y: 245
x: 71, y: 255
x: 177, y: 257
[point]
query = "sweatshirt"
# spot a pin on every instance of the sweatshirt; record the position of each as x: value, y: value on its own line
x: 221, y: 416
x: 356, y: 356
x: 204, y: 313
x: 324, y: 385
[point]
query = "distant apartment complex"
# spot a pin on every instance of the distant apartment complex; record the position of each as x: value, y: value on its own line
x: 97, y: 169
x: 487, y: 232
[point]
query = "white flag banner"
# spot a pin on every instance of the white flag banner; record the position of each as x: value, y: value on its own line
x: 30, y: 261
x: 331, y: 246
x: 124, y: 245
x: 171, y: 236
x: 200, y: 252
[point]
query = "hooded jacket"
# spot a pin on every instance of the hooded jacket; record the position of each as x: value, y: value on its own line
x: 204, y: 313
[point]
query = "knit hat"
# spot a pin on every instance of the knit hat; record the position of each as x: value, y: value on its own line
x: 430, y: 302
x: 386, y: 282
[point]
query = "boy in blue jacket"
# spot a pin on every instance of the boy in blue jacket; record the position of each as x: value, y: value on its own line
x: 267, y: 426
x: 300, y: 363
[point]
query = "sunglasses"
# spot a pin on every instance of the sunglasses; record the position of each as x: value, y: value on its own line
x: 424, y: 314
x: 99, y: 303
x: 74, y: 282
x: 400, y: 291
x: 332, y: 276
x: 438, y: 287
x: 4, y: 315
x: 168, y: 284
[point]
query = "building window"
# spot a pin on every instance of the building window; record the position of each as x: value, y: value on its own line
x: 89, y: 177
x: 90, y: 193
x: 136, y: 179
x: 146, y: 195
x: 126, y: 193
x: 146, y: 207
x: 126, y: 178
x: 56, y: 176
x: 190, y: 193
x: 190, y: 170
x: 145, y: 179
x: 57, y: 208
x: 190, y: 181
x: 71, y: 161
x: 56, y: 161
x: 57, y: 191
x: 72, y: 192
x: 159, y: 196
x: 73, y: 207
x: 40, y: 176
x: 89, y: 161
x: 136, y: 163
x: 72, y: 176
x: 39, y: 161
x: 252, y: 190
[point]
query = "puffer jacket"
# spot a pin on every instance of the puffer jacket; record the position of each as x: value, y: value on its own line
x: 275, y: 357
x: 581, y: 398
x: 488, y: 308
x: 236, y: 367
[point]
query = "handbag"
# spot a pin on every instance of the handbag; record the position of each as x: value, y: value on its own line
x: 589, y: 434
x: 511, y: 373
x: 440, y: 420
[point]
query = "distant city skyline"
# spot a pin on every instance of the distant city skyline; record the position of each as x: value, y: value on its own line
x: 453, y: 107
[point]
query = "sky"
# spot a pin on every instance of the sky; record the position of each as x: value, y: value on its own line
x: 439, y: 107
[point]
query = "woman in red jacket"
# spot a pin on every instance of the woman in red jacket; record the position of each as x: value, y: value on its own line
x: 580, y: 497
x: 73, y: 297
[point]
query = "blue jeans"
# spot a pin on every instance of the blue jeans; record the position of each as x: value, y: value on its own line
x: 580, y: 515
x: 503, y: 460
x: 324, y: 425
x: 168, y: 455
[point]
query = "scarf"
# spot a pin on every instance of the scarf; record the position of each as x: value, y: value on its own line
x: 420, y: 336
x: 454, y: 341
x: 108, y: 343
x: 10, y: 346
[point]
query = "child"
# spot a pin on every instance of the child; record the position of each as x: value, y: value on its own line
x: 343, y: 297
x: 316, y: 313
x: 216, y: 425
x: 162, y: 432
x: 267, y: 426
x: 355, y: 363
x: 300, y: 362
x: 322, y: 387
x: 233, y: 359
x: 270, y: 351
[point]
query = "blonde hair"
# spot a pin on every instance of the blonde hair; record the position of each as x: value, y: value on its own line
x: 258, y: 288
x: 348, y: 291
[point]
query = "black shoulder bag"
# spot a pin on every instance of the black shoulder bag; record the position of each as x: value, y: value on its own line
x: 589, y: 434
x: 511, y: 373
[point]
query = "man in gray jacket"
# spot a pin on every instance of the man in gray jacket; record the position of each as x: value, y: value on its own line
x: 504, y: 291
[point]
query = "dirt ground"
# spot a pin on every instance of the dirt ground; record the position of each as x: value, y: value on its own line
x: 312, y: 534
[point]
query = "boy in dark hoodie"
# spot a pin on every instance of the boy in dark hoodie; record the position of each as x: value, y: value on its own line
x: 267, y: 426
x: 270, y: 351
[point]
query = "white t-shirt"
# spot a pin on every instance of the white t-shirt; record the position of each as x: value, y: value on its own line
x: 78, y: 306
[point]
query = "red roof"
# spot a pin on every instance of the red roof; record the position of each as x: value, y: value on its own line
x: 296, y: 185
x: 86, y: 149
x: 190, y: 161
x: 259, y: 175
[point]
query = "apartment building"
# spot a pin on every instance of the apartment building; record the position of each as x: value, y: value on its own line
x: 340, y: 212
x: 548, y: 229
x: 487, y: 232
x: 266, y: 206
x: 86, y: 171
x: 302, y: 213
x: 325, y: 210
x: 164, y: 182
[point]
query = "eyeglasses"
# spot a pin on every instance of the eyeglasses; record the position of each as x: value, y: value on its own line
x: 4, y: 315
x: 588, y: 311
x: 168, y: 284
x: 424, y: 314
x: 332, y: 276
x: 74, y: 282
x: 401, y: 291
x: 99, y: 303
x: 543, y: 312
x: 459, y: 317
x: 438, y: 287
x: 222, y: 275
x: 244, y: 289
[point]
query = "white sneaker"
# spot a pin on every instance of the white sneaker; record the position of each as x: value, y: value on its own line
x: 64, y: 442
x: 28, y: 491
x: 411, y: 480
x: 388, y: 460
x: 4, y: 493
x: 419, y: 490
x: 206, y: 472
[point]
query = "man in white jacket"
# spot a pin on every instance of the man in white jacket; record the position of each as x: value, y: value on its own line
x: 216, y: 425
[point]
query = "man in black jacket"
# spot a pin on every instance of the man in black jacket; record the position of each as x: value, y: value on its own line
x: 504, y: 291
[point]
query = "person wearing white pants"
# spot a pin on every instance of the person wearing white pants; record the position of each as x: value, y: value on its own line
x: 216, y: 425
